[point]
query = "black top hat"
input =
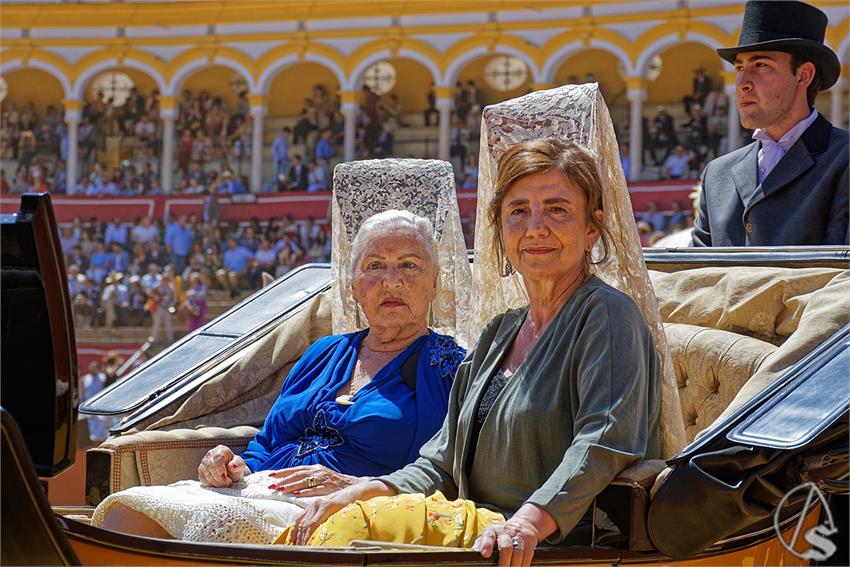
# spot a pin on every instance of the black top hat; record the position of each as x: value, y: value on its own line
x: 793, y: 27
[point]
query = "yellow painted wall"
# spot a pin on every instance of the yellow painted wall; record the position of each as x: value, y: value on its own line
x: 475, y: 71
x: 214, y: 80
x: 412, y: 82
x: 143, y: 82
x: 33, y: 85
x: 677, y: 72
x: 601, y: 64
x: 291, y: 86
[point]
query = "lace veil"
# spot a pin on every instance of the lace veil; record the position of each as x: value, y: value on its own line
x: 577, y: 113
x: 423, y: 187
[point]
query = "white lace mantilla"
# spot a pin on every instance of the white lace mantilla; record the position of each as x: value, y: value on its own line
x: 577, y: 113
x: 423, y: 187
x: 247, y: 513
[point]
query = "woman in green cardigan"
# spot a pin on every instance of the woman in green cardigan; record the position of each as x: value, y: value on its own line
x: 555, y: 399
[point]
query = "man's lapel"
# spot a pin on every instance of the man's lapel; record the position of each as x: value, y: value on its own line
x: 745, y: 175
x: 796, y: 161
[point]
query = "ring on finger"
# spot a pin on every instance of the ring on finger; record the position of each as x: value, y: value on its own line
x: 311, y: 482
x: 516, y: 542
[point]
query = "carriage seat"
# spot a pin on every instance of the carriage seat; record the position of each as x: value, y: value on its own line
x: 150, y: 458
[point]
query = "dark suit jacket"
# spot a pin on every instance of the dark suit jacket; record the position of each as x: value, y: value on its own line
x: 802, y: 201
x: 298, y: 179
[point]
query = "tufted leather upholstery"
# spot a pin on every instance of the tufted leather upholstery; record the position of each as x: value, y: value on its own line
x: 711, y: 365
x: 152, y: 458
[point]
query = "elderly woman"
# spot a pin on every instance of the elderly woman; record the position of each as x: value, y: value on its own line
x: 357, y: 404
x: 555, y: 399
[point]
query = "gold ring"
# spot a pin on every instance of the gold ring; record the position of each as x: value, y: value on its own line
x: 311, y: 482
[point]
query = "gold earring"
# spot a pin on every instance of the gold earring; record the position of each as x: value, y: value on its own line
x: 509, y: 269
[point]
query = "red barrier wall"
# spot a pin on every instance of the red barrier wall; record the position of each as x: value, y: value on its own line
x: 299, y: 205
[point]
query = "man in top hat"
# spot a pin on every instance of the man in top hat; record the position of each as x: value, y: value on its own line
x: 789, y: 187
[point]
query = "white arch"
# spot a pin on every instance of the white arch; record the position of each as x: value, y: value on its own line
x: 105, y: 65
x: 8, y: 66
x: 667, y: 41
x: 357, y: 73
x: 202, y: 62
x: 565, y: 52
x: 265, y: 80
x: 467, y: 57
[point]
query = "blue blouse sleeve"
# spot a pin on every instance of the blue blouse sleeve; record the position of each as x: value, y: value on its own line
x: 261, y: 447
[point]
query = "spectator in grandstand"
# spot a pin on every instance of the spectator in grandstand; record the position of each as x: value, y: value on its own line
x: 308, y: 231
x: 98, y: 263
x: 132, y: 110
x: 151, y: 279
x: 307, y: 123
x: 234, y: 267
x: 265, y: 255
x: 280, y: 151
x: 230, y: 185
x: 392, y: 111
x: 697, y: 130
x: 137, y: 298
x: 298, y: 175
x: 144, y: 232
x: 178, y: 242
x: 325, y: 150
x: 157, y: 255
x: 160, y: 304
x: 337, y: 128
x: 384, y: 143
x: 471, y: 167
x: 702, y: 86
x: 115, y: 300
x: 625, y: 160
x: 460, y: 134
x: 468, y: 182
x: 146, y: 138
x: 119, y: 259
x: 210, y: 213
x: 195, y: 302
x: 316, y: 177
x: 431, y: 111
x: 653, y: 217
x: 116, y: 231
x: 665, y: 135
x: 677, y: 164
x: 91, y: 384
x: 679, y: 219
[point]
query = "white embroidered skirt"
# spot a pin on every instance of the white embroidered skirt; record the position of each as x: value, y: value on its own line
x: 248, y: 512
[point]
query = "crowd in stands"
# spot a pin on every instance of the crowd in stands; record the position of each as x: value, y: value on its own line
x: 213, y: 140
x: 129, y: 274
x: 654, y: 224
x: 681, y: 151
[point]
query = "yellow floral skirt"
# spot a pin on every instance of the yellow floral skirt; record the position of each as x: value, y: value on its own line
x: 406, y: 518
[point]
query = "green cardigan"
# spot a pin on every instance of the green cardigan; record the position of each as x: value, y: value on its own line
x: 580, y: 408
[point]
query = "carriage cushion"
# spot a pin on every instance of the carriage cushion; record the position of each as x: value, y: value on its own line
x: 711, y: 366
x: 150, y: 458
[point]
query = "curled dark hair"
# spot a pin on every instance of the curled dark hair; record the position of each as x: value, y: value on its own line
x: 578, y: 164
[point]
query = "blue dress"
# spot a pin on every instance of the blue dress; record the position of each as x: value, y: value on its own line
x: 380, y: 432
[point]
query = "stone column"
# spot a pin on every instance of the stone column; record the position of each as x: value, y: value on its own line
x: 349, y: 108
x: 73, y: 115
x: 168, y: 116
x: 258, y: 112
x: 733, y: 121
x: 636, y: 94
x: 445, y: 101
x: 837, y: 98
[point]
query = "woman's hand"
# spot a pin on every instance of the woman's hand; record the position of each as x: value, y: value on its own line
x: 311, y: 480
x: 515, y: 540
x: 220, y: 468
x: 320, y: 509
